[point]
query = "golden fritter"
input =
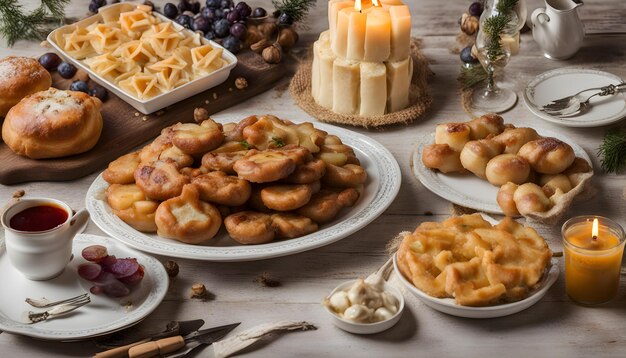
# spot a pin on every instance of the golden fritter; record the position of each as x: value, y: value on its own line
x: 222, y: 161
x: 287, y: 196
x: 130, y: 204
x: 219, y: 188
x: 326, y: 204
x: 235, y: 133
x: 160, y: 180
x: 348, y: 176
x: 289, y: 226
x: 300, y: 155
x: 308, y: 172
x: 333, y: 151
x: 250, y: 227
x: 122, y: 169
x: 188, y: 219
x: 192, y: 138
x: 266, y: 166
x: 162, y: 148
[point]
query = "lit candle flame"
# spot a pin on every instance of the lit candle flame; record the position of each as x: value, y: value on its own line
x: 594, y: 229
x: 357, y: 5
x: 375, y: 3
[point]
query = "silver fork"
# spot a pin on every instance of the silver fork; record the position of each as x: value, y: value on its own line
x: 579, y: 103
x: 35, y: 317
x: 45, y: 303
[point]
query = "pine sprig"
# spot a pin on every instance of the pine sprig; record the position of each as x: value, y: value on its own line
x: 504, y: 6
x: 495, y: 25
x: 612, y: 151
x: 296, y: 9
x: 15, y: 24
x: 471, y: 76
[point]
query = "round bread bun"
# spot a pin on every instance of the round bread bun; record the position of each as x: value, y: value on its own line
x: 548, y: 155
x: 19, y: 77
x: 53, y: 123
x: 505, y: 168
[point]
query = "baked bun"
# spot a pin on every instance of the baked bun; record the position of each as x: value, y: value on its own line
x: 477, y: 153
x: 506, y: 200
x: 506, y: 168
x: 529, y: 198
x: 52, y: 124
x: 442, y: 157
x: 489, y: 124
x: 19, y: 77
x: 548, y: 155
x: 453, y: 134
x: 513, y: 139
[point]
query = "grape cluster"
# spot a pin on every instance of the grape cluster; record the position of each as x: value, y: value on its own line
x: 218, y: 19
x: 109, y: 275
x: 52, y: 62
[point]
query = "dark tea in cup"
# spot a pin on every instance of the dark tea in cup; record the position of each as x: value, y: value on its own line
x: 39, y: 218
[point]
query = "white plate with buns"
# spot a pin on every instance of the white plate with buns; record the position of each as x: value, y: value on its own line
x: 466, y: 189
x: 381, y: 188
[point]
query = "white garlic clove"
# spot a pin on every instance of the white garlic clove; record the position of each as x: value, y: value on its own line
x: 390, y: 302
x: 339, y: 301
x: 382, y: 314
x: 357, y: 292
x: 376, y: 281
x: 358, y: 313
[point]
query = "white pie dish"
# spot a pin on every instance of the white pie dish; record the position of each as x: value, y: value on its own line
x: 163, y: 100
x: 367, y: 328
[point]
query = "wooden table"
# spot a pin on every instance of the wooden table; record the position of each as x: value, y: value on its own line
x: 555, y: 327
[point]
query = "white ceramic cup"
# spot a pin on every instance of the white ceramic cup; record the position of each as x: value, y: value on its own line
x: 42, y: 255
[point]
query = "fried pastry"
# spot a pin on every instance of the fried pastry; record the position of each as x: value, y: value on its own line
x: 235, y: 133
x: 308, y: 172
x: 333, y: 151
x: 219, y: 188
x: 192, y: 138
x: 489, y: 124
x: 162, y: 148
x: 530, y: 198
x: 188, y: 219
x: 453, y: 134
x: 548, y: 155
x: 160, y: 180
x: 129, y: 203
x: 289, y: 196
x: 326, y: 204
x: 266, y: 166
x: 289, y: 226
x: 505, y: 168
x: 122, y: 169
x: 442, y: 158
x: 348, y: 176
x: 467, y: 259
x: 476, y: 154
x: 505, y: 199
x: 250, y: 227
x: 222, y: 161
x: 551, y: 182
x: 513, y: 139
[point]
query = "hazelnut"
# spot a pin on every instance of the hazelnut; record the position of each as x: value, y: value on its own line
x: 200, y: 115
x: 268, y: 29
x: 19, y: 194
x: 469, y: 24
x: 241, y: 83
x: 287, y: 37
x: 253, y: 36
x: 171, y: 267
x: 198, y: 290
x: 259, y: 46
x: 273, y: 54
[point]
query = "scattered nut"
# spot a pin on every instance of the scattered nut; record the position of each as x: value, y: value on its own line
x: 19, y: 194
x: 198, y: 291
x: 469, y: 24
x: 214, y: 95
x: 144, y: 118
x: 137, y: 114
x: 200, y: 115
x: 171, y: 267
x: 267, y: 29
x: 82, y: 76
x: 241, y: 83
x: 273, y: 54
x: 287, y: 37
x: 428, y: 213
x: 266, y: 280
x: 259, y: 46
x: 253, y: 36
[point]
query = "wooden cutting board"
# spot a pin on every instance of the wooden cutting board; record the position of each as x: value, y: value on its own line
x: 125, y: 128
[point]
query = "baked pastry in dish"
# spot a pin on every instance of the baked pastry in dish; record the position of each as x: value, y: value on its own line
x: 19, y: 77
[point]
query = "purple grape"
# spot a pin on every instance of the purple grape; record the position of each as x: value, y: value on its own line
x: 232, y: 16
x: 476, y: 8
x: 170, y: 10
x: 94, y: 5
x: 194, y: 7
x: 209, y: 35
x: 99, y: 92
x: 209, y: 13
x: 232, y: 44
x: 185, y: 21
x: 79, y: 86
x: 243, y: 9
x: 466, y: 55
x: 284, y: 19
x: 183, y: 5
x: 239, y: 30
x: 221, y: 28
x: 226, y: 4
x: 50, y: 61
x: 219, y: 14
x: 259, y: 12
x: 201, y: 24
x: 213, y: 3
x: 66, y: 70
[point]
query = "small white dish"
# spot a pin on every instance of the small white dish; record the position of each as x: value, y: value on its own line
x: 466, y: 189
x: 448, y: 305
x: 564, y: 82
x: 157, y: 102
x: 102, y: 316
x: 367, y: 328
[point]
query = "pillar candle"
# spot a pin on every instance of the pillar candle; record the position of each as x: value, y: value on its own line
x: 334, y: 6
x: 399, y: 75
x: 373, y: 96
x: 400, y: 32
x: 389, y: 3
x: 325, y: 66
x: 377, y: 35
x: 355, y: 49
x: 346, y: 86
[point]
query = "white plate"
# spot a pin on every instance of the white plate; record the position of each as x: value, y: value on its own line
x: 381, y: 189
x: 447, y: 305
x: 103, y: 315
x: 163, y: 100
x: 563, y: 82
x: 467, y: 189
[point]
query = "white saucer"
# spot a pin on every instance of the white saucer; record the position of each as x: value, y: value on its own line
x: 564, y: 82
x: 103, y: 315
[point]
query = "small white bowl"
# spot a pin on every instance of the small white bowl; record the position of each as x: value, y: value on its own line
x: 367, y: 328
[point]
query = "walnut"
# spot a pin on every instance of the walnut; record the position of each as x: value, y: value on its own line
x: 469, y: 24
x: 259, y: 46
x: 171, y: 267
x: 287, y: 37
x: 200, y: 115
x: 273, y: 54
x: 241, y: 83
x: 267, y: 29
x: 198, y: 291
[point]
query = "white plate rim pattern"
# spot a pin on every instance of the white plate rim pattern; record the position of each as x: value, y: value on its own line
x: 155, y: 296
x: 389, y: 186
x: 448, y: 306
x: 568, y: 122
x: 428, y: 177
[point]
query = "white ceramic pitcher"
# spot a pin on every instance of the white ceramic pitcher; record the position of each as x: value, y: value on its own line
x: 557, y: 29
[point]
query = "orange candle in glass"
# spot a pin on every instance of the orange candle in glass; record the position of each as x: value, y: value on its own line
x: 593, y: 248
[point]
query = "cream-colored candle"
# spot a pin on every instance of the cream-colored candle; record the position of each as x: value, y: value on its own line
x: 377, y: 35
x: 373, y: 89
x: 326, y: 57
x: 346, y: 86
x: 388, y: 3
x: 355, y: 49
x: 398, y: 81
x: 334, y: 6
x: 400, y: 32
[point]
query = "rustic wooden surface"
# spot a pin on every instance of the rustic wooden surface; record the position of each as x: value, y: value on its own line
x: 125, y: 128
x: 555, y: 327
